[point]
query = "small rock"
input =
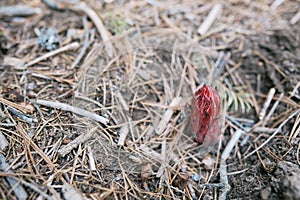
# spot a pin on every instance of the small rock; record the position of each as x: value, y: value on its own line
x: 291, y: 186
x: 265, y: 193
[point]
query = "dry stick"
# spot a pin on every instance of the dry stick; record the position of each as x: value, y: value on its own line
x: 167, y: 116
x: 274, y: 134
x: 238, y: 172
x: 54, y: 5
x: 19, y: 190
x: 164, y: 146
x: 68, y: 47
x: 127, y: 127
x: 18, y: 10
x: 213, y: 14
x: 150, y: 152
x: 272, y: 109
x: 123, y: 134
x: 218, y: 68
x: 298, y: 153
x: 80, y: 139
x: 295, y: 132
x: 79, y: 151
x: 161, y: 170
x: 223, y: 169
x: 77, y: 95
x: 69, y: 108
x: 295, y: 88
x: 267, y: 103
x: 92, y: 162
x: 99, y: 25
x: 122, y: 101
x: 276, y: 4
x: 296, y: 18
x: 20, y: 115
x: 86, y: 43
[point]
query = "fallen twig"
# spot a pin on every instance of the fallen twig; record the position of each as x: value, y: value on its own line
x: 213, y: 14
x: 272, y: 109
x: 18, y: 10
x: 68, y: 47
x: 69, y: 108
x: 296, y: 18
x: 78, y: 140
x: 123, y: 134
x: 167, y: 116
x: 87, y: 42
x: 22, y: 116
x: 276, y: 4
x: 54, y: 4
x: 223, y: 167
x: 151, y: 153
x: 295, y: 130
x: 211, y: 185
x: 122, y: 101
x: 92, y: 162
x: 267, y: 103
x: 82, y: 6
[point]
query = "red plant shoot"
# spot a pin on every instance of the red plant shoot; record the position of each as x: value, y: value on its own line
x: 205, y: 115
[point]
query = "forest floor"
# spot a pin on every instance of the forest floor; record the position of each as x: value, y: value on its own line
x: 95, y: 99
